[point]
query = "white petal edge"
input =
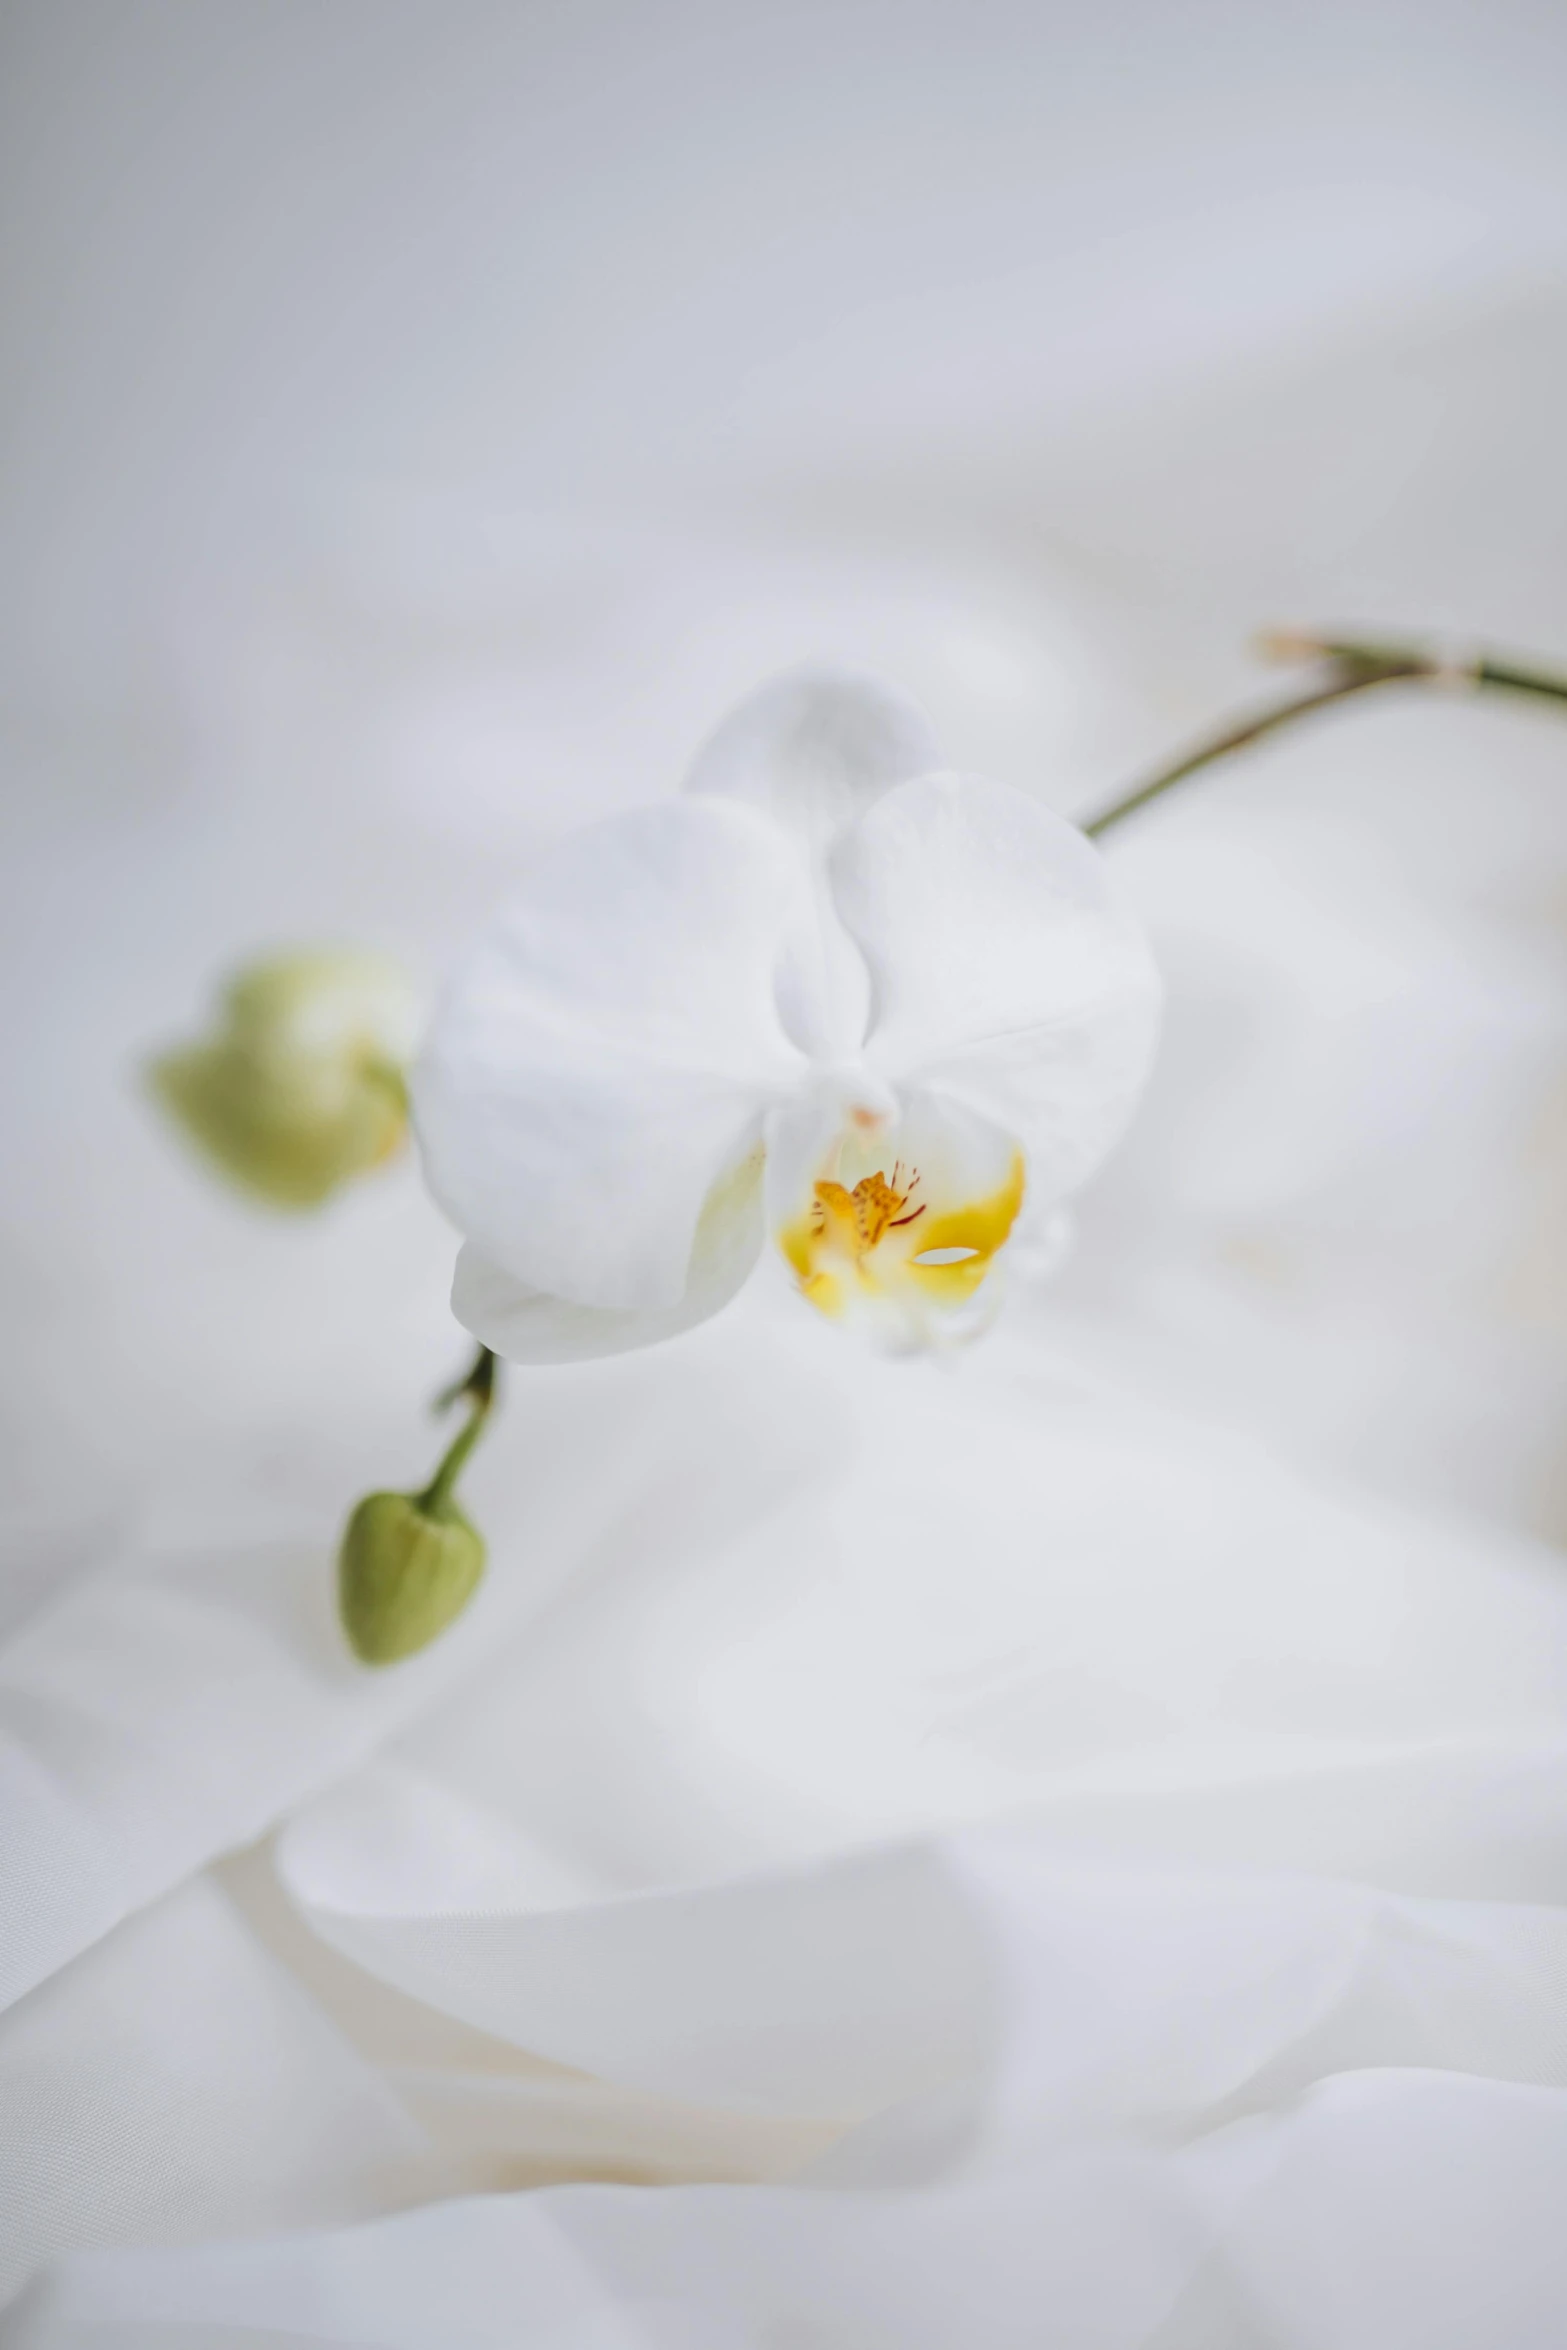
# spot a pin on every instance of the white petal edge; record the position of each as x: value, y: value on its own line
x: 528, y: 1326
x: 815, y: 748
x: 608, y: 1050
x: 1006, y: 971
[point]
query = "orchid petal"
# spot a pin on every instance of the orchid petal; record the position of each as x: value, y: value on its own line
x: 1006, y: 974
x: 528, y: 1326
x: 814, y: 749
x: 608, y: 1051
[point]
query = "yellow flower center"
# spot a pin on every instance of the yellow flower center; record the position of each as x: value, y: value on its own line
x: 867, y: 1211
x: 883, y: 1235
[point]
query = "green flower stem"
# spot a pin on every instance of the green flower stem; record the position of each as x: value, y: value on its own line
x: 1351, y: 668
x: 479, y: 1390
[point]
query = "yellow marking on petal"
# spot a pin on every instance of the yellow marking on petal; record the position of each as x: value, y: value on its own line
x: 825, y: 1293
x: 833, y: 1207
x: 983, y: 1226
x: 877, y: 1234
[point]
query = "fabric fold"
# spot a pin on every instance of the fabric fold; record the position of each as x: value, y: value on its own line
x: 169, y: 1708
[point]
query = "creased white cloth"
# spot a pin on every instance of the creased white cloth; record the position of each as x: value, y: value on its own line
x: 1261, y: 1986
x: 785, y: 1627
x: 166, y: 1709
x: 666, y: 1839
x: 1210, y: 2114
x: 1145, y: 2087
x: 176, y: 2082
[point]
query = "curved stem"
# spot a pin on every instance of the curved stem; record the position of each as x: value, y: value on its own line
x: 1352, y: 668
x: 479, y: 1388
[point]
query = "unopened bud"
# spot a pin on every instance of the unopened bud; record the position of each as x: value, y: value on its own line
x: 301, y: 1088
x: 408, y: 1567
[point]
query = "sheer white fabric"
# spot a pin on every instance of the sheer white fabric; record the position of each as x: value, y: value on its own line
x: 1258, y: 1982
x: 1139, y: 1921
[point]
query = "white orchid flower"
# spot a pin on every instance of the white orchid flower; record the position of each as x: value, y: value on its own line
x: 890, y: 1014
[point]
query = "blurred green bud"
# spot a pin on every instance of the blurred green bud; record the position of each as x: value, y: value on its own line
x: 408, y: 1567
x: 301, y: 1088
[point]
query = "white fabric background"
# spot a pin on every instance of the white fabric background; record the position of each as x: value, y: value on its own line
x: 1066, y: 1852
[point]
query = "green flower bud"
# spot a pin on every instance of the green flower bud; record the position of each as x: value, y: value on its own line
x: 301, y: 1088
x: 409, y: 1565
x: 410, y: 1562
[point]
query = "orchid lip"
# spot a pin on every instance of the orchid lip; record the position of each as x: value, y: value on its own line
x: 897, y: 1244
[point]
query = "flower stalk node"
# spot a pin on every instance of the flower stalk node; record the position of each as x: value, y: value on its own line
x: 1351, y: 666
